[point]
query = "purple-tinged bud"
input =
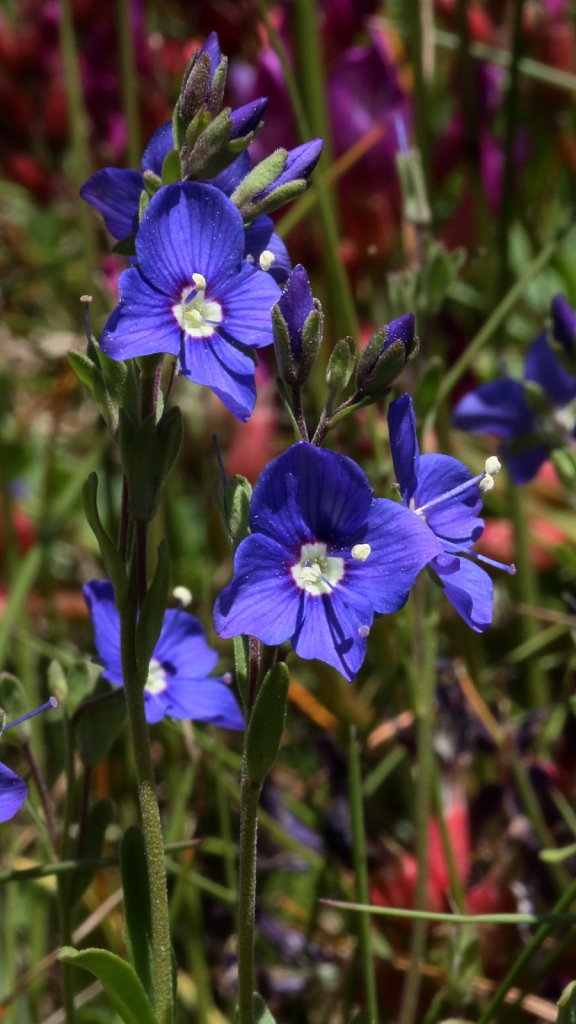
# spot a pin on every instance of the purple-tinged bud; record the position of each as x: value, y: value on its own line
x: 391, y: 347
x: 300, y: 163
x: 248, y: 118
x: 564, y: 323
x: 298, y: 325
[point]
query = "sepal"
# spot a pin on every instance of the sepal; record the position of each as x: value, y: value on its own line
x: 339, y: 371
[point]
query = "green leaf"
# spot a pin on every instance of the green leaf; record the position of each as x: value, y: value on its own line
x: 111, y: 558
x: 171, y: 170
x: 266, y: 724
x: 98, y: 726
x: 153, y: 608
x: 137, y: 903
x: 339, y: 370
x: 567, y: 1005
x: 118, y: 979
x: 241, y: 665
x: 99, y: 818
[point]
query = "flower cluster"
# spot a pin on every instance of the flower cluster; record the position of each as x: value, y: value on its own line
x: 179, y: 683
x: 532, y: 416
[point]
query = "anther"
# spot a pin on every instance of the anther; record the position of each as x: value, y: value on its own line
x: 266, y: 259
x: 50, y: 703
x: 493, y: 465
x: 360, y: 552
x: 486, y: 484
x: 182, y: 595
x: 199, y: 281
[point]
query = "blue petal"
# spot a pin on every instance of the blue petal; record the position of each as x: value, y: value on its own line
x: 212, y: 48
x: 247, y: 118
x: 543, y: 366
x: 468, y: 588
x: 401, y: 546
x: 246, y: 298
x: 13, y: 792
x: 523, y: 462
x: 158, y: 148
x: 143, y: 321
x: 219, y: 365
x: 229, y: 179
x: 401, y: 329
x: 329, y: 630
x: 189, y: 229
x: 456, y: 520
x: 310, y: 493
x: 498, y: 408
x: 99, y: 595
x: 260, y: 235
x: 201, y: 700
x: 262, y: 599
x: 182, y: 646
x: 115, y: 193
x: 404, y: 445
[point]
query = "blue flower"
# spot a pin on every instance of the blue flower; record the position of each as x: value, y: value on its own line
x: 323, y: 557
x: 445, y: 496
x: 192, y: 294
x: 178, y: 683
x: 115, y: 191
x: 13, y: 792
x: 524, y: 413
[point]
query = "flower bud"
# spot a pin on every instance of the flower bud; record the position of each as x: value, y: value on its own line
x: 385, y: 356
x: 298, y: 321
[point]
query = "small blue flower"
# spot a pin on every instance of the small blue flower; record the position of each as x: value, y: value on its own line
x: 13, y: 792
x: 323, y: 557
x: 192, y: 294
x: 524, y: 413
x: 445, y: 496
x: 179, y: 684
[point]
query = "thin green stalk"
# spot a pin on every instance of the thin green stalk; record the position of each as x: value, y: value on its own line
x: 134, y: 677
x: 509, y: 185
x: 424, y: 680
x: 525, y: 957
x: 417, y: 29
x: 308, y: 46
x: 249, y: 799
x: 129, y: 80
x: 527, y: 587
x: 502, y: 310
x: 361, y: 871
x: 65, y: 908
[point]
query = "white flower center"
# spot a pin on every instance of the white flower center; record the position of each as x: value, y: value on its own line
x: 316, y: 572
x: 156, y: 682
x: 196, y: 314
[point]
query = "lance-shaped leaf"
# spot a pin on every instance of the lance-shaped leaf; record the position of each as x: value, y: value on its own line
x: 118, y: 979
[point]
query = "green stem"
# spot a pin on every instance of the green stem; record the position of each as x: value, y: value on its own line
x: 249, y: 798
x: 65, y: 907
x: 134, y: 677
x: 527, y: 588
x: 424, y: 668
x: 509, y: 182
x: 361, y: 871
x: 129, y: 81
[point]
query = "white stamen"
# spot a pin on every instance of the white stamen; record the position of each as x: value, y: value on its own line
x: 156, y: 682
x: 183, y: 595
x: 266, y: 259
x: 486, y: 484
x: 360, y: 552
x: 317, y: 572
x: 199, y: 281
x: 363, y: 631
x: 493, y: 465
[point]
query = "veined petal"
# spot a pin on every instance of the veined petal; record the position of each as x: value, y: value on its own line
x: 332, y: 630
x: 115, y: 193
x: 543, y: 366
x: 262, y: 599
x: 469, y: 589
x: 183, y: 646
x: 247, y: 299
x: 404, y: 445
x: 13, y: 792
x: 219, y: 365
x: 310, y: 493
x: 455, y: 520
x: 99, y: 595
x: 189, y: 229
x: 143, y: 322
x: 401, y: 546
x: 203, y: 700
x: 260, y: 235
x: 498, y: 408
x: 158, y: 148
